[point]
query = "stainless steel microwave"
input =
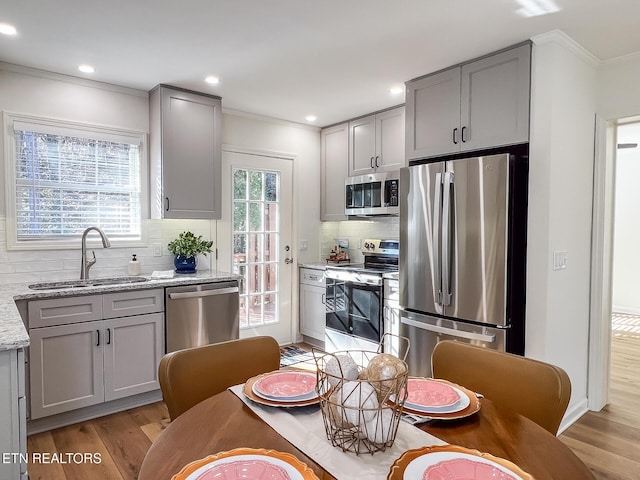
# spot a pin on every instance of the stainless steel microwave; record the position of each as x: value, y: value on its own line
x: 372, y: 194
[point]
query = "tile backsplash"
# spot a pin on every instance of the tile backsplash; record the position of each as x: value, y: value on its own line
x: 355, y: 231
x: 49, y: 265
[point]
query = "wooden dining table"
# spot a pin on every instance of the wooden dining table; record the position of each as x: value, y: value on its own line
x: 223, y: 422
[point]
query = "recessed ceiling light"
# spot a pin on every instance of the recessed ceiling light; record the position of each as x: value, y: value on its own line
x: 7, y: 29
x: 396, y: 90
x: 534, y: 8
x: 212, y: 79
x: 86, y: 68
x: 310, y: 118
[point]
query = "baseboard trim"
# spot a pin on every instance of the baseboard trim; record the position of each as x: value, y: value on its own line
x: 573, y: 414
x: 94, y: 411
x: 627, y: 310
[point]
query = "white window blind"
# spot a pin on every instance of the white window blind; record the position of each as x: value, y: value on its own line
x: 68, y: 179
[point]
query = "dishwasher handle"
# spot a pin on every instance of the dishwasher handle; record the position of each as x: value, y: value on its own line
x: 203, y: 293
x: 448, y: 331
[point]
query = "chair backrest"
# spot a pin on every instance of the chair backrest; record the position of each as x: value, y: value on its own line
x: 189, y: 376
x: 535, y: 389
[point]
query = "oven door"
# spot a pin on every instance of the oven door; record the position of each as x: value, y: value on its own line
x: 354, y: 309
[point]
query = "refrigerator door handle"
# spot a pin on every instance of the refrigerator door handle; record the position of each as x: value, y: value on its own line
x: 437, y: 261
x: 449, y: 331
x: 446, y: 239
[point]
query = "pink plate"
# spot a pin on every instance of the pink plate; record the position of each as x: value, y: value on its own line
x: 430, y: 393
x: 286, y: 384
x: 245, y: 469
x: 464, y: 469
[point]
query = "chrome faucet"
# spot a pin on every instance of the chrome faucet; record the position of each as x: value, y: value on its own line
x: 85, y: 263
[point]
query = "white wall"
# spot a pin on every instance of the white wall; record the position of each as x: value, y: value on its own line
x: 563, y: 106
x: 618, y: 88
x: 42, y: 93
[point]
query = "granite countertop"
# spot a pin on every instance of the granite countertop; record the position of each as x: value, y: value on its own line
x: 314, y: 265
x: 13, y: 333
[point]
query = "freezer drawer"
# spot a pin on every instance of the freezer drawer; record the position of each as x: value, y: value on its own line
x: 201, y: 314
x: 424, y: 332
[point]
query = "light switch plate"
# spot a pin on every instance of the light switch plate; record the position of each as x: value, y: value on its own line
x: 560, y: 260
x: 157, y: 249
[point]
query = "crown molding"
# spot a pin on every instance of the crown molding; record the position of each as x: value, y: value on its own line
x: 561, y: 38
x: 264, y: 118
x: 628, y: 58
x: 36, y: 72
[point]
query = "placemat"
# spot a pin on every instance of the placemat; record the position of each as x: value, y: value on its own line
x: 303, y: 427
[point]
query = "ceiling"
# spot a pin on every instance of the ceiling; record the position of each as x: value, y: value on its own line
x: 287, y: 59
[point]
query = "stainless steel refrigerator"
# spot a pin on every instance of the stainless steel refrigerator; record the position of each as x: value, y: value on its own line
x: 463, y: 253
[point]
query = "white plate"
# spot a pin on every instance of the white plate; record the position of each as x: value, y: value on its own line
x: 290, y: 469
x: 416, y: 467
x: 460, y: 405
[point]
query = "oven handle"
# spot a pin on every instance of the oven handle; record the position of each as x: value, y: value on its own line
x: 448, y: 331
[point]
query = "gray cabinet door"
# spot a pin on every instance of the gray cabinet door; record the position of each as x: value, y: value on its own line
x: 65, y: 368
x: 133, y: 347
x: 334, y: 167
x: 312, y: 311
x: 362, y: 146
x: 390, y: 140
x: 433, y: 115
x: 495, y: 100
x: 188, y: 156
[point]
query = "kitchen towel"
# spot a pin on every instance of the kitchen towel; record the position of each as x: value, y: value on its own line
x: 303, y: 427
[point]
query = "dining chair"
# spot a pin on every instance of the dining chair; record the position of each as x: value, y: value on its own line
x: 537, y: 390
x: 194, y: 374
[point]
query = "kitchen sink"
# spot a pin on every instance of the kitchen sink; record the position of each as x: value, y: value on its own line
x: 87, y: 283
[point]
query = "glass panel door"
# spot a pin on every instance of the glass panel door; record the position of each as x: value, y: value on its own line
x: 255, y: 244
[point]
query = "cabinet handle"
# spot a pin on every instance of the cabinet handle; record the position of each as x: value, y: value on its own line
x: 463, y: 129
x: 377, y: 163
x: 166, y: 203
x: 108, y: 336
x: 371, y: 162
x: 324, y: 298
x: 98, y: 332
x: 313, y: 277
x: 455, y: 136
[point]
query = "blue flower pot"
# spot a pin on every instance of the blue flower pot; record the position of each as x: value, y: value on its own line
x: 185, y: 264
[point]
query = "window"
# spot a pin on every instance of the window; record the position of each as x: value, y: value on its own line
x: 63, y: 177
x: 256, y: 234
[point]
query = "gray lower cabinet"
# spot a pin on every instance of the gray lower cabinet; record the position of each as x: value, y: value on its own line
x: 13, y: 415
x: 79, y: 364
x: 479, y: 104
x: 334, y: 168
x: 313, y: 311
x: 185, y: 154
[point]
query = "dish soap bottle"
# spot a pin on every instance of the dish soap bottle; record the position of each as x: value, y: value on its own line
x: 134, y: 266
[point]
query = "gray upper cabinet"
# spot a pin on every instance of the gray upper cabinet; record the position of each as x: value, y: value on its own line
x: 433, y: 114
x: 185, y: 154
x: 376, y: 142
x: 334, y: 161
x: 480, y: 104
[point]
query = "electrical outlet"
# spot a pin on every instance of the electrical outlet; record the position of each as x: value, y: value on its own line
x: 157, y: 249
x: 303, y: 245
x: 560, y: 260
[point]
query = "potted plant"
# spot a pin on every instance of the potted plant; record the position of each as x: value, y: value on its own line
x: 185, y: 248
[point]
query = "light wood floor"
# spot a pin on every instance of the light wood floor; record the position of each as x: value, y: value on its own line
x: 607, y: 441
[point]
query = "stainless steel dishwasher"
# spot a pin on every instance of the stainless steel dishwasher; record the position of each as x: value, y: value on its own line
x: 201, y: 314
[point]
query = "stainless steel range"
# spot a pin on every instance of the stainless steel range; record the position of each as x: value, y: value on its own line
x: 354, y: 298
